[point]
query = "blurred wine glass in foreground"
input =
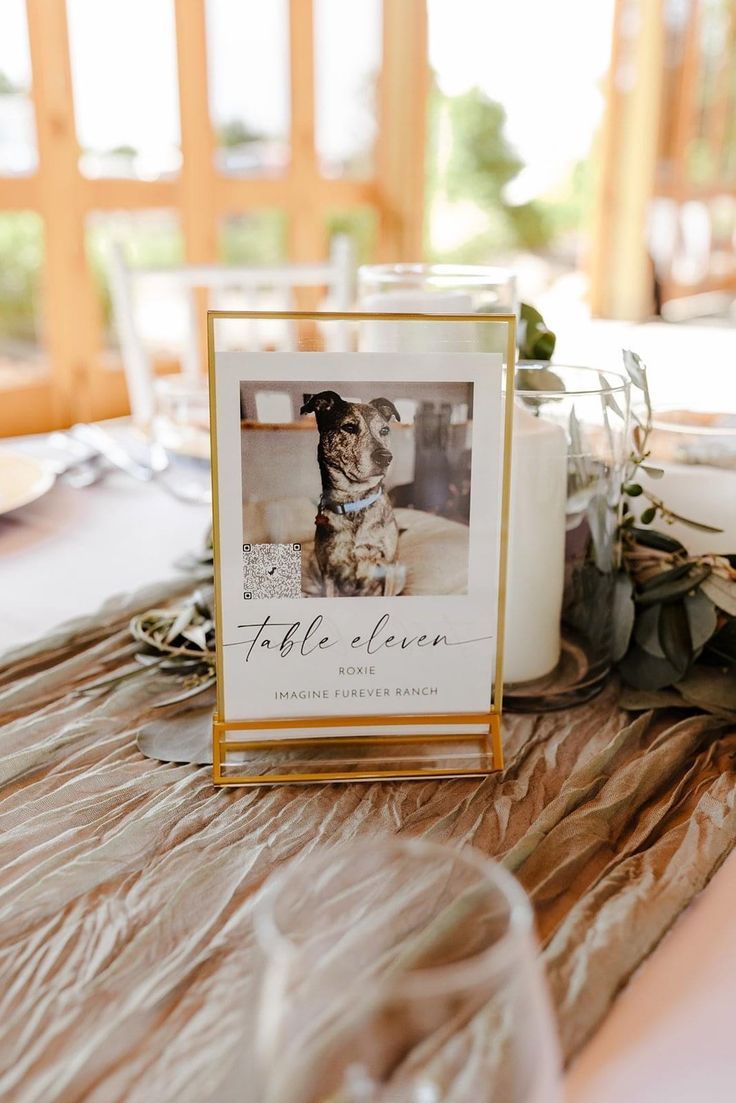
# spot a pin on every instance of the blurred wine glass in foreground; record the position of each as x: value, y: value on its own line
x: 400, y: 972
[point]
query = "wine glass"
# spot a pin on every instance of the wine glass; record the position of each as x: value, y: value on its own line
x: 181, y: 435
x: 400, y: 972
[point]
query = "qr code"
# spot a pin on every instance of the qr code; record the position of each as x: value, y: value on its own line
x: 272, y: 570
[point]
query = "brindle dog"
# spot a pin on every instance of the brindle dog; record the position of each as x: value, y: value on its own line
x: 356, y: 535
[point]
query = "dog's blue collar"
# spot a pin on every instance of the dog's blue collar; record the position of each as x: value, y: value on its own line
x: 351, y: 507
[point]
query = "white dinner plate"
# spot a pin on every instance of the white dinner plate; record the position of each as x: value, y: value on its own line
x: 22, y: 480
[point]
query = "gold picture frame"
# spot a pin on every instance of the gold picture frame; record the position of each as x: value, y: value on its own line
x: 321, y: 757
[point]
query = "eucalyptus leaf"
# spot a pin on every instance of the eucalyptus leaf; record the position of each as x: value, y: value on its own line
x: 608, y: 398
x: 702, y: 618
x: 181, y: 621
x: 672, y: 591
x: 196, y: 634
x: 643, y: 671
x: 710, y: 688
x: 699, y: 525
x: 722, y: 592
x: 536, y: 341
x: 674, y: 635
x: 636, y: 370
x: 178, y: 664
x: 623, y: 615
x: 660, y: 541
x: 652, y: 472
x: 147, y: 658
x: 530, y: 314
x: 577, y: 454
x: 540, y: 344
x: 646, y: 631
x: 665, y: 577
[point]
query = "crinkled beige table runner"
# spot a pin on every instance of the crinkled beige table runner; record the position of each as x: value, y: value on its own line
x: 126, y: 950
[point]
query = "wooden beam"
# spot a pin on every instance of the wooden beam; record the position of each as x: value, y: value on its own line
x: 197, y: 182
x: 235, y: 195
x: 28, y: 405
x: 685, y: 115
x: 71, y: 309
x: 622, y: 280
x: 307, y: 235
x: 19, y: 193
x: 114, y: 195
x: 403, y: 92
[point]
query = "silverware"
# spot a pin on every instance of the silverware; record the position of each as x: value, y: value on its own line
x: 106, y: 445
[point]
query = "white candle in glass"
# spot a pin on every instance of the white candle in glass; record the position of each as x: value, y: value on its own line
x: 412, y: 336
x: 538, y: 486
x: 701, y: 493
x: 536, y: 569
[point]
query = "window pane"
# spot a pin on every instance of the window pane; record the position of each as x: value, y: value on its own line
x: 123, y: 56
x: 151, y: 239
x: 256, y: 238
x: 17, y: 124
x: 347, y: 43
x: 21, y: 255
x: 249, y: 84
x: 360, y: 224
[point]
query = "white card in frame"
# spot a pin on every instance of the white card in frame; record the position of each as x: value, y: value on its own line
x: 360, y: 529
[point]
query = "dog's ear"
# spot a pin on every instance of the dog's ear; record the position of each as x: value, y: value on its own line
x: 323, y: 405
x: 386, y: 408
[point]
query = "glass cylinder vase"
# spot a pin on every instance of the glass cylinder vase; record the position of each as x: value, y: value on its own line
x: 569, y: 451
x: 695, y: 449
x: 437, y: 288
x: 432, y: 289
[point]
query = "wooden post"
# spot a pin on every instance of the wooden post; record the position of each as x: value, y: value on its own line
x: 81, y: 384
x: 197, y: 181
x: 403, y: 92
x: 71, y: 309
x: 620, y: 266
x: 307, y: 234
x: 306, y: 216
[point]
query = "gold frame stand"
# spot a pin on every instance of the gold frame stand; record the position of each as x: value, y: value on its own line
x: 306, y: 758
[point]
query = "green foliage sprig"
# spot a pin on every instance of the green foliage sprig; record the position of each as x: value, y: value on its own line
x: 535, y: 341
x: 638, y: 460
x: 675, y: 613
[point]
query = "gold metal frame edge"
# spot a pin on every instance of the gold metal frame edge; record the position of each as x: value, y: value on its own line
x: 493, y: 717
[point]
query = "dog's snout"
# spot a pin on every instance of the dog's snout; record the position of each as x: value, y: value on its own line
x: 382, y: 457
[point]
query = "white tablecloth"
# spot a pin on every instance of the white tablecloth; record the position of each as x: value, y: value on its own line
x: 66, y: 553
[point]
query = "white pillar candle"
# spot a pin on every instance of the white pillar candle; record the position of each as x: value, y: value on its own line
x: 701, y: 493
x: 536, y: 572
x: 413, y: 336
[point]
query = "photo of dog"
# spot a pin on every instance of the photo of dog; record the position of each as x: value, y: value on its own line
x: 356, y: 535
x: 373, y: 486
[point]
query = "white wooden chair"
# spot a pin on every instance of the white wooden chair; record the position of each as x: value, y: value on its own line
x: 230, y: 287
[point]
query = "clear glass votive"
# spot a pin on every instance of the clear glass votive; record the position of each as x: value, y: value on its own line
x: 481, y: 288
x: 569, y: 452
x: 696, y: 450
x: 432, y: 289
x: 400, y: 972
x: 181, y: 436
